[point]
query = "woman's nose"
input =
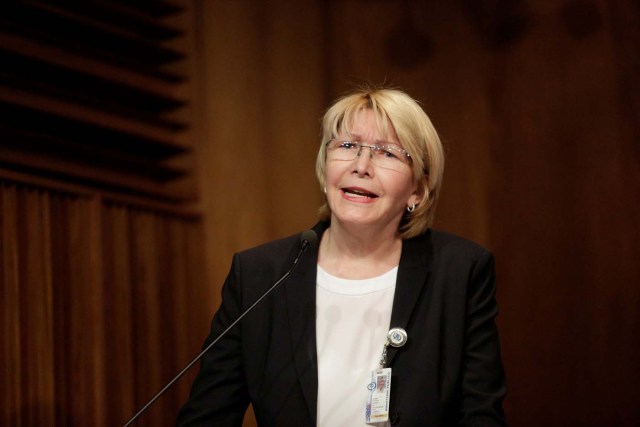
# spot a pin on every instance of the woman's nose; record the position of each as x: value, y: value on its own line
x: 363, y: 160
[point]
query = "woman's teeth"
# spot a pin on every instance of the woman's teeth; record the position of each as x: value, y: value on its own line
x: 359, y: 193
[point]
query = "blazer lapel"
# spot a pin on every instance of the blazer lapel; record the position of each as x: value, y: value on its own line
x: 413, y: 272
x: 301, y: 307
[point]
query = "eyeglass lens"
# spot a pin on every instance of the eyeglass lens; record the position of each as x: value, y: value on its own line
x: 384, y: 156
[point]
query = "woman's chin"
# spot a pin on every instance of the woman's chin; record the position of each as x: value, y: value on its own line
x: 360, y: 221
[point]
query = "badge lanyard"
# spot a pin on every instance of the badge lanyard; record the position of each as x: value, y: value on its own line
x: 377, y: 408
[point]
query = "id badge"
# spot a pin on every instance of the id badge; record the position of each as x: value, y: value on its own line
x: 377, y: 409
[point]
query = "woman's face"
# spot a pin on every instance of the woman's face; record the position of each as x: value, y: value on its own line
x: 362, y: 193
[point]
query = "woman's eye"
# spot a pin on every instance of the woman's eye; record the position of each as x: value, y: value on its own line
x: 348, y: 144
x: 388, y: 153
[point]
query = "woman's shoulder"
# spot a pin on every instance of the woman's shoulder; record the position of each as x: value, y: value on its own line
x: 452, y: 258
x: 285, y: 245
x: 446, y: 240
x: 273, y: 247
x: 444, y: 247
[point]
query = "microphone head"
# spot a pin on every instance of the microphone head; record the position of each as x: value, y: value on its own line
x: 310, y: 236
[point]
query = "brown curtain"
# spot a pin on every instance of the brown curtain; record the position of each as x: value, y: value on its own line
x: 96, y: 299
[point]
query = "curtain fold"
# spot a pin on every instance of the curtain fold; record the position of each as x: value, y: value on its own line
x: 95, y: 307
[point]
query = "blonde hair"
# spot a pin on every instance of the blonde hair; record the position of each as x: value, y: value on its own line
x: 415, y: 132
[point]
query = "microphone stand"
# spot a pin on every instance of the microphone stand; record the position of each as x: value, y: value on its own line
x: 308, y: 237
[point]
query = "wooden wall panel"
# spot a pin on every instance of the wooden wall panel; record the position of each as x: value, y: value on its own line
x: 100, y: 91
x: 146, y: 274
x: 78, y: 316
x: 163, y: 277
x: 537, y: 105
x: 260, y: 124
x: 37, y: 315
x: 567, y: 235
x: 119, y: 306
x: 536, y: 102
x: 11, y: 352
x: 98, y: 209
x: 90, y: 289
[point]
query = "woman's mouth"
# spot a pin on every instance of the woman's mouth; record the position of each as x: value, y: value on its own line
x: 359, y: 192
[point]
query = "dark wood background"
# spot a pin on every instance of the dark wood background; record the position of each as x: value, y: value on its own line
x: 134, y: 164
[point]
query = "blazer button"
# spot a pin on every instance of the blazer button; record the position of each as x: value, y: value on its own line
x: 394, y: 418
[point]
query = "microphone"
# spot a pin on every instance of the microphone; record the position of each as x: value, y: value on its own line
x: 307, y: 238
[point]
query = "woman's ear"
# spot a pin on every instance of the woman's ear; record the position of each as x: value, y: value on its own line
x: 418, y: 195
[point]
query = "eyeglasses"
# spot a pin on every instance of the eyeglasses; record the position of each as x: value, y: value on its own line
x: 384, y: 156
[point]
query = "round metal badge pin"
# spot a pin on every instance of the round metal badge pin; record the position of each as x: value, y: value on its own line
x: 397, y: 337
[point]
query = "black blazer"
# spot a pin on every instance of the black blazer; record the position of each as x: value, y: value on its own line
x: 449, y: 373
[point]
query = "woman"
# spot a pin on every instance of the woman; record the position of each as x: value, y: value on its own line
x: 316, y: 351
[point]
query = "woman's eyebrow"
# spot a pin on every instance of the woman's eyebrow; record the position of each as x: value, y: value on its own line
x: 377, y: 141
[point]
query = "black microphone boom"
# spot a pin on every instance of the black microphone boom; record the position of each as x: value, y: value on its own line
x: 307, y: 238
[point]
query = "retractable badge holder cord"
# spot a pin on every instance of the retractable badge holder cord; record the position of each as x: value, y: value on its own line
x: 377, y: 408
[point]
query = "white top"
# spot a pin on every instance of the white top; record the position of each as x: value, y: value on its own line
x: 352, y: 323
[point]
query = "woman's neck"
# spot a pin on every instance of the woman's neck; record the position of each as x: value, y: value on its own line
x: 358, y: 255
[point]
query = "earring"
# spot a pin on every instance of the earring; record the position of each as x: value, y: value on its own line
x: 411, y: 208
x: 325, y: 189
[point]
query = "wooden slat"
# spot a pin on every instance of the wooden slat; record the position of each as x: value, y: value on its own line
x: 103, y: 288
x: 151, y: 8
x: 86, y: 97
x: 36, y: 322
x: 190, y: 313
x: 61, y: 270
x: 157, y: 83
x: 55, y: 25
x: 147, y: 317
x: 119, y: 309
x: 100, y: 179
x: 103, y: 120
x: 109, y: 197
x: 11, y: 364
x: 176, y: 302
x: 51, y: 149
x: 86, y: 327
x: 98, y: 209
x: 168, y: 267
x: 121, y: 15
x: 35, y: 76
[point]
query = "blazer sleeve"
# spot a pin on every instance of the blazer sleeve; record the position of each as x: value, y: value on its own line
x: 219, y: 394
x: 483, y: 378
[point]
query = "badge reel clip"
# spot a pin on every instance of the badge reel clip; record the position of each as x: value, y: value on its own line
x: 397, y: 337
x: 377, y: 407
